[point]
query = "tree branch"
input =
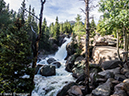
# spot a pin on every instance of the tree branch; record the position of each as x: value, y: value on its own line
x: 30, y: 13
x: 83, y: 11
x: 33, y: 30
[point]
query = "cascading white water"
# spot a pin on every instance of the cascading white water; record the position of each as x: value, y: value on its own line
x: 49, y: 86
x: 62, y: 53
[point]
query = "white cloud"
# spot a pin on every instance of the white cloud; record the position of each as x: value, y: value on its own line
x: 64, y: 9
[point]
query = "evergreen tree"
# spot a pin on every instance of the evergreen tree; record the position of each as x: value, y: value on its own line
x: 56, y: 30
x: 44, y: 43
x: 92, y: 28
x: 15, y: 52
x: 51, y: 29
x: 79, y: 27
x: 4, y: 15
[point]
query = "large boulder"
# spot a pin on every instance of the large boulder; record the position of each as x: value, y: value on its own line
x: 104, y: 53
x: 64, y: 90
x: 75, y: 91
x: 120, y: 77
x: 119, y: 93
x: 48, y: 70
x: 104, y: 89
x: 106, y: 72
x: 56, y: 64
x: 111, y: 64
x: 50, y: 60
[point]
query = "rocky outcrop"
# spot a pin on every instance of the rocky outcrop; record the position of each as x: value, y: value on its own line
x: 104, y: 53
x: 48, y: 70
x: 104, y: 41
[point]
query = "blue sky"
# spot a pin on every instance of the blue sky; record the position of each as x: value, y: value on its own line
x: 64, y: 9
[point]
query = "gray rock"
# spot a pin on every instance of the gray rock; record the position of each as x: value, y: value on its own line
x: 75, y: 91
x: 120, y: 77
x: 111, y: 64
x: 48, y: 70
x: 127, y: 74
x: 64, y: 90
x: 124, y: 70
x: 126, y: 85
x: 50, y: 60
x: 104, y: 89
x: 119, y: 86
x: 109, y: 75
x: 56, y: 64
x: 105, y: 72
x: 119, y: 93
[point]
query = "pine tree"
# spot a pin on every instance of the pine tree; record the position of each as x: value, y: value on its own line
x: 44, y: 43
x: 56, y: 30
x: 79, y: 27
x: 92, y: 28
x: 4, y: 15
x: 15, y: 52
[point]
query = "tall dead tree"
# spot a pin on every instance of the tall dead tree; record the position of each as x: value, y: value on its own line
x: 87, y: 46
x: 35, y: 46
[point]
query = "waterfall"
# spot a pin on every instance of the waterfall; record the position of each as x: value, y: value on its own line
x: 49, y: 86
x: 62, y: 52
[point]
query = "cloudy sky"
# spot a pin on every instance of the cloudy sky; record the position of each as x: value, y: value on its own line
x: 64, y: 9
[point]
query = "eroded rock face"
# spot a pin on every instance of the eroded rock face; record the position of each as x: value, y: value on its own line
x: 104, y: 53
x: 48, y: 70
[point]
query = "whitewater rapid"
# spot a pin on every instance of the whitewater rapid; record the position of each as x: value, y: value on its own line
x: 49, y: 86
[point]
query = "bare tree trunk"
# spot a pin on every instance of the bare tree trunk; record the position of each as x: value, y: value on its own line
x: 36, y: 45
x: 87, y: 47
x: 125, y: 44
x: 118, y: 53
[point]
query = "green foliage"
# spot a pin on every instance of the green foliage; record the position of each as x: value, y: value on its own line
x: 92, y: 28
x: 56, y: 29
x: 67, y: 28
x: 79, y: 27
x: 4, y: 15
x: 15, y: 53
x: 44, y: 41
x: 116, y: 14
